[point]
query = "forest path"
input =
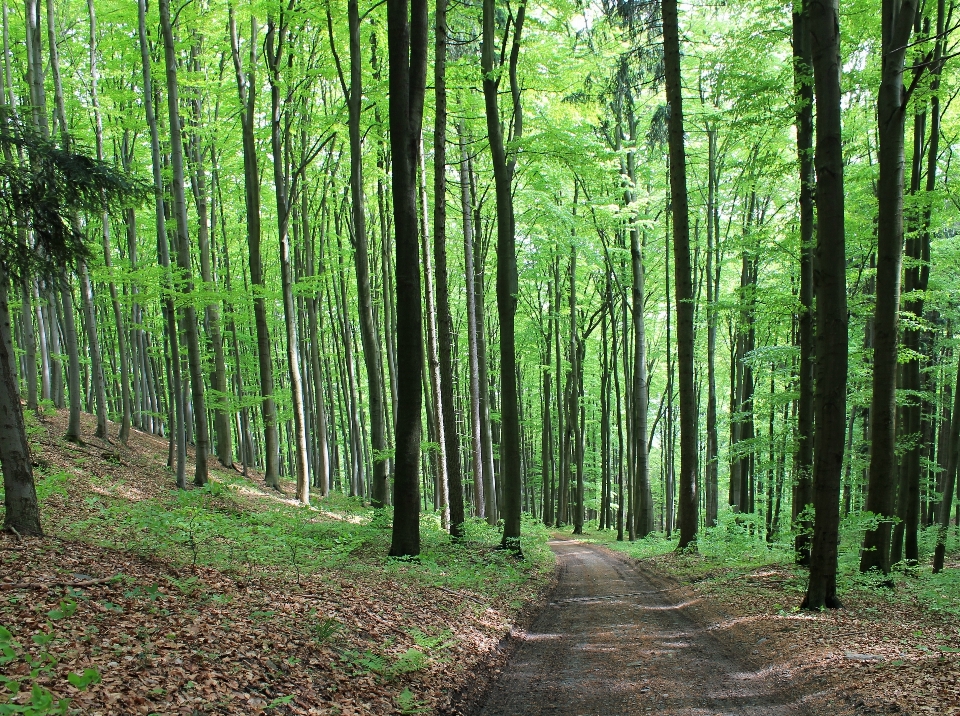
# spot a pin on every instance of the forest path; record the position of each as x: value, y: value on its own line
x: 613, y: 641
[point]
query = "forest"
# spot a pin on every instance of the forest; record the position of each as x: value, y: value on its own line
x: 677, y: 276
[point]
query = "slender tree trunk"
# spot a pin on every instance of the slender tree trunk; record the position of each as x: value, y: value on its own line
x: 436, y: 407
x: 188, y: 312
x: 831, y: 329
x: 247, y: 89
x: 688, y: 517
x: 711, y: 478
x: 125, y: 400
x: 506, y: 265
x: 444, y: 319
x: 175, y: 379
x: 368, y: 328
x: 803, y: 457
x: 285, y: 194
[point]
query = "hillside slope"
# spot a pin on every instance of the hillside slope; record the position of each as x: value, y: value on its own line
x: 233, y: 599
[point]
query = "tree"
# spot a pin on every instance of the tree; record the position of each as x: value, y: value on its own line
x: 683, y: 273
x: 407, y: 42
x: 507, y: 288
x: 831, y: 329
x: 44, y: 192
x: 897, y: 25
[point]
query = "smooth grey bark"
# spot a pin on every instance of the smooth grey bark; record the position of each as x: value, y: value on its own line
x: 223, y: 437
x: 368, y: 328
x: 803, y: 460
x: 435, y: 408
x: 188, y: 312
x: 285, y: 187
x: 39, y: 105
x: 711, y: 478
x: 445, y: 332
x: 86, y: 288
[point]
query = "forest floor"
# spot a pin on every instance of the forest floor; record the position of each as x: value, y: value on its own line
x: 233, y: 599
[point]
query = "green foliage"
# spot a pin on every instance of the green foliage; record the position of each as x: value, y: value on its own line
x: 41, y: 665
x: 408, y: 704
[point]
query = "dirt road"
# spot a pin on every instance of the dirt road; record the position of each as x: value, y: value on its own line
x: 613, y: 641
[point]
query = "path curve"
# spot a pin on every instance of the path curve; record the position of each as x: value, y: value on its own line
x: 614, y: 641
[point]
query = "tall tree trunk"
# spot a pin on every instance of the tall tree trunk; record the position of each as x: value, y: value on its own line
x: 507, y: 288
x: 803, y: 457
x: 188, y: 312
x: 368, y: 327
x: 247, y: 89
x: 125, y: 400
x: 711, y: 478
x: 897, y: 24
x: 831, y: 379
x: 435, y: 407
x: 407, y: 41
x: 444, y: 319
x: 573, y: 417
x: 274, y: 47
x: 687, y: 482
x: 174, y: 377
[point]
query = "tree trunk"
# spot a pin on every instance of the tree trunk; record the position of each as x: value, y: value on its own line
x: 188, y: 312
x: 175, y: 379
x: 247, y: 89
x: 435, y: 408
x: 368, y: 328
x: 22, y: 511
x: 125, y: 400
x: 285, y: 194
x: 407, y: 41
x: 803, y: 457
x: 897, y: 23
x: 687, y: 482
x: 444, y: 319
x: 831, y: 329
x: 711, y: 478
x: 506, y: 265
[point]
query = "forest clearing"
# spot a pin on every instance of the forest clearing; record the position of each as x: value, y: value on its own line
x: 325, y: 326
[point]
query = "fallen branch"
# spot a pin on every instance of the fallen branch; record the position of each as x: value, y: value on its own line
x: 51, y: 585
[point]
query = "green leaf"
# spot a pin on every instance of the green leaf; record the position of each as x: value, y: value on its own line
x: 82, y: 681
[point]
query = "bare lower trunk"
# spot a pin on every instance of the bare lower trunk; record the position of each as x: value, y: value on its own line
x: 22, y: 511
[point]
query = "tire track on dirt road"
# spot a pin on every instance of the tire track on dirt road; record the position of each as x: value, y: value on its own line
x: 616, y: 639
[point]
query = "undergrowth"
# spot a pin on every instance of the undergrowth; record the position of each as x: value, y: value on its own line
x: 735, y: 547
x: 220, y: 527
